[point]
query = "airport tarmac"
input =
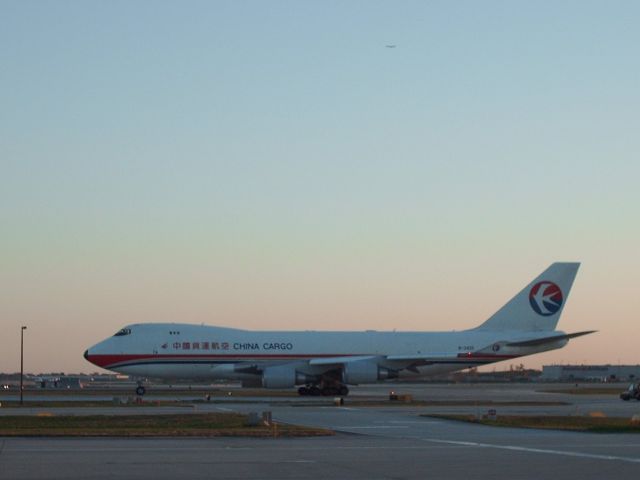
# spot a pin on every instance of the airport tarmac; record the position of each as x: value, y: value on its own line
x: 372, y: 443
x: 474, y: 395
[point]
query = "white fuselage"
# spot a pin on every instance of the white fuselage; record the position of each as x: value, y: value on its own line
x: 276, y: 359
x: 207, y: 352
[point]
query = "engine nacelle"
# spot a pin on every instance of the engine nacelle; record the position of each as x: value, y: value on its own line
x: 283, y: 376
x: 365, y: 371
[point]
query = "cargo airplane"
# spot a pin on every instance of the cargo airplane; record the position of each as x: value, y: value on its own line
x: 324, y: 362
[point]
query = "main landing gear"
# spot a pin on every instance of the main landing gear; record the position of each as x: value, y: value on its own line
x: 140, y: 390
x: 324, y: 390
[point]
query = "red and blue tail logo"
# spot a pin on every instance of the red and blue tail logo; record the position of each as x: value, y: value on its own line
x: 545, y: 298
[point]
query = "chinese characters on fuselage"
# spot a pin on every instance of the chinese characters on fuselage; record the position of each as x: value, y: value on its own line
x: 217, y: 346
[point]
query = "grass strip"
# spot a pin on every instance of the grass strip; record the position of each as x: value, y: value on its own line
x: 551, y: 422
x: 197, y: 425
x: 93, y: 403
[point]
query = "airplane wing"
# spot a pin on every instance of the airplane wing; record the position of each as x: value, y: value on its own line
x: 406, y: 359
x: 393, y: 362
x: 340, y: 360
x: 330, y: 363
x: 415, y: 357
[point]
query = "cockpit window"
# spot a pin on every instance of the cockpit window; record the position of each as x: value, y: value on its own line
x: 124, y: 331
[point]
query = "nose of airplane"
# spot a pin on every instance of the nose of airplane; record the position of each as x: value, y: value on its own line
x: 90, y: 356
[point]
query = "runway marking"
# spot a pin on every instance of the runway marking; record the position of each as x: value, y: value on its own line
x: 369, y: 426
x: 224, y: 409
x: 342, y: 408
x: 421, y: 422
x: 514, y: 448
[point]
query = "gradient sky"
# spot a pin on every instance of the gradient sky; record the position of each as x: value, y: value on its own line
x: 272, y: 165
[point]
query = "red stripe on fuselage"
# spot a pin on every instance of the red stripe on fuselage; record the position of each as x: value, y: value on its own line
x: 105, y: 361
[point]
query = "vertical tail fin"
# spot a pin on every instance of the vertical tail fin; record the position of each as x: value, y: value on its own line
x: 539, y: 305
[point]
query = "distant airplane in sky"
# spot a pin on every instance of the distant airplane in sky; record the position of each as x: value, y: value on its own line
x: 324, y: 363
x: 390, y: 46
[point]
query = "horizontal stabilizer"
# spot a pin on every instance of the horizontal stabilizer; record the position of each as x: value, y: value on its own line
x: 542, y: 341
x: 431, y: 357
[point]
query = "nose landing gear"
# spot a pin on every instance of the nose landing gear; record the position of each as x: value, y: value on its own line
x: 140, y: 390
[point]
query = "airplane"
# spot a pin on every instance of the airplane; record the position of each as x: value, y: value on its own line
x: 326, y: 362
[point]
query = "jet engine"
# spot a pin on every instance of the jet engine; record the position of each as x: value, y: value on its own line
x: 365, y: 371
x: 283, y: 376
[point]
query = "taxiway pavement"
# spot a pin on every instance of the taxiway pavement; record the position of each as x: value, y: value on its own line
x: 372, y: 443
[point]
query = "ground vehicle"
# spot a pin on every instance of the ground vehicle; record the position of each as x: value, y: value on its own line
x: 632, y: 392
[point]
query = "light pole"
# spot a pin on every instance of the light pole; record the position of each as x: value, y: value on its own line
x: 21, y: 360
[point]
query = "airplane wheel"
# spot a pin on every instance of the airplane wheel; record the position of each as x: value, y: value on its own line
x: 315, y: 391
x: 327, y: 391
x: 343, y: 390
x: 303, y: 391
x: 140, y: 391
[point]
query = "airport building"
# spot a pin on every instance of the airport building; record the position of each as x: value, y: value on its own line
x: 602, y: 373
